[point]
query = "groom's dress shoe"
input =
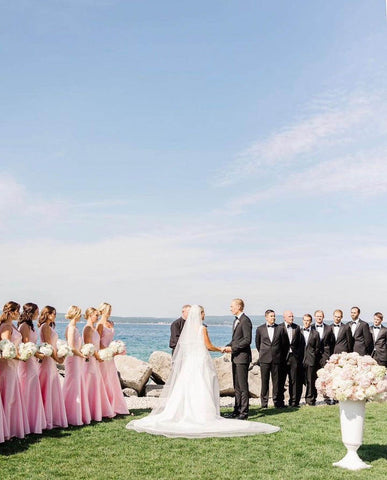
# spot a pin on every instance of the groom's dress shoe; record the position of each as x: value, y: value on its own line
x: 242, y: 417
x: 231, y: 415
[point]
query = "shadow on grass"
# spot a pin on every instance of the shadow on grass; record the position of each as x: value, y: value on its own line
x: 370, y: 453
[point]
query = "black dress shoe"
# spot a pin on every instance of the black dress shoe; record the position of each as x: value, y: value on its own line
x: 231, y: 415
x: 242, y: 417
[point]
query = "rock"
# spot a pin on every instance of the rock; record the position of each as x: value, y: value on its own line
x: 161, y: 363
x: 153, y: 390
x: 224, y: 372
x: 130, y: 392
x: 134, y: 373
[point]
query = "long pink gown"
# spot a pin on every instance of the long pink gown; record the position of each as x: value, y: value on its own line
x: 98, y: 400
x: 28, y: 372
x: 110, y: 376
x: 51, y: 390
x: 4, y: 430
x: 74, y: 390
x: 16, y: 420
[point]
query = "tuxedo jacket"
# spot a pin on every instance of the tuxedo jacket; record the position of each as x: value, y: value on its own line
x: 362, y: 339
x: 295, y: 344
x: 275, y: 351
x: 344, y: 342
x: 241, y: 340
x: 176, y: 328
x: 310, y: 350
x: 327, y: 343
x: 379, y: 348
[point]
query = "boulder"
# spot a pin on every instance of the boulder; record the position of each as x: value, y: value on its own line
x: 153, y: 390
x: 130, y: 392
x: 161, y: 363
x: 134, y: 373
x: 224, y: 371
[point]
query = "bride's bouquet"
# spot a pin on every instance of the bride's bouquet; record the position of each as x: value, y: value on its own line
x: 106, y: 354
x: 63, y: 349
x: 7, y: 349
x: 88, y: 350
x: 46, y: 349
x: 349, y: 376
x: 118, y: 347
x: 27, y: 350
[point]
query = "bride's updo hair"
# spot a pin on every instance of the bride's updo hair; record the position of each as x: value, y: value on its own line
x: 89, y: 312
x: 44, y: 314
x: 8, y: 309
x: 29, y: 310
x: 73, y: 312
x: 201, y: 308
x: 105, y: 309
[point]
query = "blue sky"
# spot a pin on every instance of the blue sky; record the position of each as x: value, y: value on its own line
x: 157, y: 153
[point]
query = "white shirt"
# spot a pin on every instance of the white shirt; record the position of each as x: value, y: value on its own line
x: 336, y: 329
x: 306, y: 335
x: 376, y: 332
x: 236, y: 321
x: 270, y: 332
x: 354, y: 326
x: 320, y: 330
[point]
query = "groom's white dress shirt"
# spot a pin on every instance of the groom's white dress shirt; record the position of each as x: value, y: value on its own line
x: 270, y: 332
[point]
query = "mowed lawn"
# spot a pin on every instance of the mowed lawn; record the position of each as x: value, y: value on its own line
x: 306, y: 446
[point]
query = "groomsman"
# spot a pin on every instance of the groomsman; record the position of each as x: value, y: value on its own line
x: 240, y: 350
x: 310, y: 344
x: 342, y: 334
x: 177, y: 327
x: 272, y: 344
x: 379, y: 337
x: 326, y: 338
x: 293, y: 359
x: 362, y: 339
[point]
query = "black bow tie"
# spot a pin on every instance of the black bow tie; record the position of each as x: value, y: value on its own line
x: 319, y: 326
x: 306, y: 329
x: 376, y: 328
x: 288, y: 326
x: 236, y: 318
x: 353, y: 323
x: 270, y: 326
x: 336, y: 325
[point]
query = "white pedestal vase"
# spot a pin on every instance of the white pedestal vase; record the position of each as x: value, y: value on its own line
x: 352, y: 423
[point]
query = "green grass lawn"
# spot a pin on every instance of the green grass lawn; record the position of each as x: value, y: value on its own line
x: 306, y: 446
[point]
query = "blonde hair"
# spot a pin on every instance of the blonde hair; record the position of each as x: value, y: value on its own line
x: 8, y: 309
x: 73, y: 312
x: 89, y: 312
x: 240, y: 302
x: 105, y: 309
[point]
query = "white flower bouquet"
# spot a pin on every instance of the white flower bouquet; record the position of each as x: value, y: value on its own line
x: 118, y: 347
x: 46, y: 349
x: 7, y: 349
x: 106, y: 354
x: 350, y: 376
x: 27, y: 350
x: 63, y: 350
x: 88, y: 350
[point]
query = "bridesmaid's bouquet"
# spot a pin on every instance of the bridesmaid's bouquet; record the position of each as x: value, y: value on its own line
x: 7, y: 349
x: 106, y: 354
x: 350, y: 376
x: 88, y: 350
x: 63, y: 349
x: 27, y: 350
x: 46, y: 349
x: 118, y: 347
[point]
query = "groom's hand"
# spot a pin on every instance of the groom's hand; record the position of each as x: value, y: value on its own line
x: 227, y: 350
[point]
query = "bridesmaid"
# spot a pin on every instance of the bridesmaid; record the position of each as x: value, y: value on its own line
x: 4, y: 431
x: 16, y: 421
x: 98, y: 400
x: 48, y: 375
x: 29, y: 371
x: 109, y: 373
x: 74, y: 390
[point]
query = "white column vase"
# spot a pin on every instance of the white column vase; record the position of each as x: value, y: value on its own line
x: 352, y: 423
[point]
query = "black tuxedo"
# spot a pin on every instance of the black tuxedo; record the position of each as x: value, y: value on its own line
x: 362, y: 339
x: 176, y: 328
x: 327, y: 343
x: 344, y: 341
x: 292, y: 368
x: 272, y: 357
x: 310, y: 364
x: 240, y: 359
x: 379, y: 348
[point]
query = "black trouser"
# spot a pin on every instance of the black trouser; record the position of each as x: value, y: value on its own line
x: 310, y: 376
x: 272, y: 369
x: 293, y: 372
x: 240, y: 379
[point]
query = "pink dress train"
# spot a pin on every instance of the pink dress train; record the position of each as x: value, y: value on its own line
x: 28, y: 372
x: 98, y: 400
x: 16, y: 421
x: 74, y: 390
x: 51, y: 389
x: 4, y: 430
x: 110, y: 376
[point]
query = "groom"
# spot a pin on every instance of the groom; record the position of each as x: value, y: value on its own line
x: 240, y: 350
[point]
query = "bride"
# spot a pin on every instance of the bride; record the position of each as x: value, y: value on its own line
x: 189, y: 403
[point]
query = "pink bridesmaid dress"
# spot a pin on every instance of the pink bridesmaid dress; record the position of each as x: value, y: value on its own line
x: 98, y: 400
x: 74, y: 390
x: 16, y: 420
x: 30, y: 388
x: 51, y: 389
x: 4, y: 430
x: 110, y: 376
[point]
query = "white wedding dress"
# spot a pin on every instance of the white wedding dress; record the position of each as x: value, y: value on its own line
x: 189, y: 403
